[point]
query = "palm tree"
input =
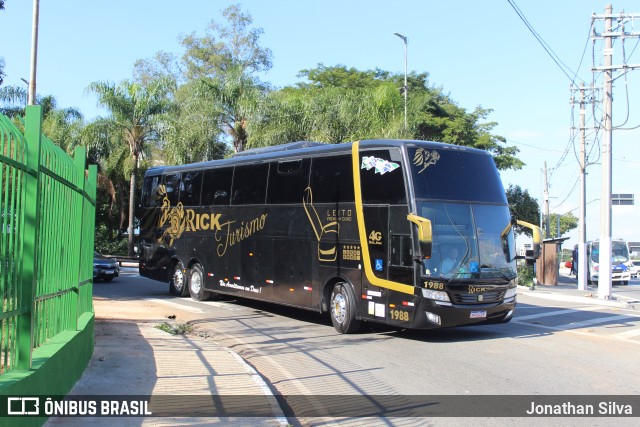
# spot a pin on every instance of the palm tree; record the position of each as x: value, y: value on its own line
x: 13, y: 99
x: 136, y: 113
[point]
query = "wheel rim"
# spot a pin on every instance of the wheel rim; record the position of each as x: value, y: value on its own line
x: 339, y: 307
x: 196, y: 282
x: 178, y: 279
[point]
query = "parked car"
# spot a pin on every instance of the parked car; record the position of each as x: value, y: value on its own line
x: 634, y: 266
x: 104, y: 268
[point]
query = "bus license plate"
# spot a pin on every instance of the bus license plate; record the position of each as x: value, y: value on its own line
x: 479, y: 314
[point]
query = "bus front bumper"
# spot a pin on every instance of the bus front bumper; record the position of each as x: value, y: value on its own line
x: 438, y: 314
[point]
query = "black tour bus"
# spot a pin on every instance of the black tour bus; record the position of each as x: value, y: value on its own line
x: 412, y: 234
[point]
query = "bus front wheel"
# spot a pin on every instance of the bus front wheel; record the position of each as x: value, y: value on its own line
x: 196, y: 284
x: 178, y: 282
x: 343, y: 309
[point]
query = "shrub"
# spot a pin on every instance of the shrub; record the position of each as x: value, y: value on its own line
x: 525, y: 275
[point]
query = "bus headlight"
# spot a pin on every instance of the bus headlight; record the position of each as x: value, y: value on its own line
x: 435, y: 295
x: 511, y: 292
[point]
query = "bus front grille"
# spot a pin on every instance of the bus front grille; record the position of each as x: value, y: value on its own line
x: 484, y: 298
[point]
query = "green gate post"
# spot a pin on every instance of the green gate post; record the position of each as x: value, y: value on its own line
x: 79, y: 161
x: 33, y: 132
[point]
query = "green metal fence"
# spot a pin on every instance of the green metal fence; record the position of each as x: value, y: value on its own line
x: 47, y: 216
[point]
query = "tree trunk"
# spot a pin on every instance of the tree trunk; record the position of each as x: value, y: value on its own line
x: 122, y: 209
x: 132, y: 204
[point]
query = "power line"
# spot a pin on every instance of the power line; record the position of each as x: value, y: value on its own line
x: 563, y: 67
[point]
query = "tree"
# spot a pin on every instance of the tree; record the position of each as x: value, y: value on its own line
x: 225, y: 62
x: 339, y: 104
x: 2, y: 73
x: 136, y: 113
x: 193, y: 129
x: 523, y: 207
x: 13, y: 100
x: 568, y: 222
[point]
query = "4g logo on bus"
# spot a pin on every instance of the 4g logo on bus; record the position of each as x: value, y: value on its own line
x: 375, y: 238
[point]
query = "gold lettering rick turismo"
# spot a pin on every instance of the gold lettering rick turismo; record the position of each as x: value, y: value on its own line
x: 180, y: 220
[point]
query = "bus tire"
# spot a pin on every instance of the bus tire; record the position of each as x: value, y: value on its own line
x: 178, y: 281
x: 196, y: 284
x: 343, y: 309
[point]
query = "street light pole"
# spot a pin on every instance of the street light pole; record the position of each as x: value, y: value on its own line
x: 34, y: 53
x: 404, y: 40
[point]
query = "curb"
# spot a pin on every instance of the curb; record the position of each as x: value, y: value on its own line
x: 589, y: 298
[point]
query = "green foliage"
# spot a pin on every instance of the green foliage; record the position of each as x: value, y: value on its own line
x: 222, y: 65
x: 137, y: 112
x: 175, y: 329
x: 568, y: 222
x: 340, y: 104
x: 523, y: 207
x: 2, y: 73
x: 109, y: 242
x: 226, y: 47
x: 192, y: 133
x: 525, y: 275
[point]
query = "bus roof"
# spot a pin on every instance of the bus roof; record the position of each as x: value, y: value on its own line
x: 301, y: 149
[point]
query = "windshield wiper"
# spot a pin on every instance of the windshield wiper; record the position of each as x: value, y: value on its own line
x: 478, y: 276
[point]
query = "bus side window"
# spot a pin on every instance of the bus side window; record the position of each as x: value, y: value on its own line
x: 190, y: 188
x: 149, y: 187
x: 287, y: 181
x: 250, y: 184
x: 332, y: 180
x: 383, y: 183
x: 171, y: 184
x: 216, y: 186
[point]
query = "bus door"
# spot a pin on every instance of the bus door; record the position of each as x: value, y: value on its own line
x: 385, y: 234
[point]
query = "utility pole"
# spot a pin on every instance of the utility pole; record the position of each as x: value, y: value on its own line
x: 582, y: 220
x: 547, y: 228
x: 405, y: 89
x: 608, y: 34
x: 604, y: 279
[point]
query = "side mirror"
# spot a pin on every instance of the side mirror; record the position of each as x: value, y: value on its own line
x: 425, y: 235
x: 537, y: 237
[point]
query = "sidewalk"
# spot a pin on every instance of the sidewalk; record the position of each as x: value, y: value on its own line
x: 178, y: 374
x: 567, y: 290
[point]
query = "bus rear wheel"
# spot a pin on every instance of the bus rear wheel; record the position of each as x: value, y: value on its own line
x: 178, y: 282
x: 196, y: 284
x: 343, y: 309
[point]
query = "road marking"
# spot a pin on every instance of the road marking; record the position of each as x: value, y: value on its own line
x: 545, y: 314
x: 184, y: 307
x: 597, y: 321
x: 629, y: 334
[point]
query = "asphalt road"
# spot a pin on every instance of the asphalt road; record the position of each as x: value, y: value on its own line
x: 550, y: 348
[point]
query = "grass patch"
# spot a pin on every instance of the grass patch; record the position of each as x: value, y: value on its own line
x: 175, y: 329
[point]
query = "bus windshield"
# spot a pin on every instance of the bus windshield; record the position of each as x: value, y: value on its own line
x: 468, y: 241
x: 475, y: 179
x: 619, y: 252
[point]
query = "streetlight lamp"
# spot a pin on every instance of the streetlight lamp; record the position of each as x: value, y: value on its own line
x: 404, y: 40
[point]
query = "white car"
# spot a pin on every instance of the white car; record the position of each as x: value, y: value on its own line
x: 634, y: 268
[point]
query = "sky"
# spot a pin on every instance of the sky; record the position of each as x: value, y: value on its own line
x: 480, y: 53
